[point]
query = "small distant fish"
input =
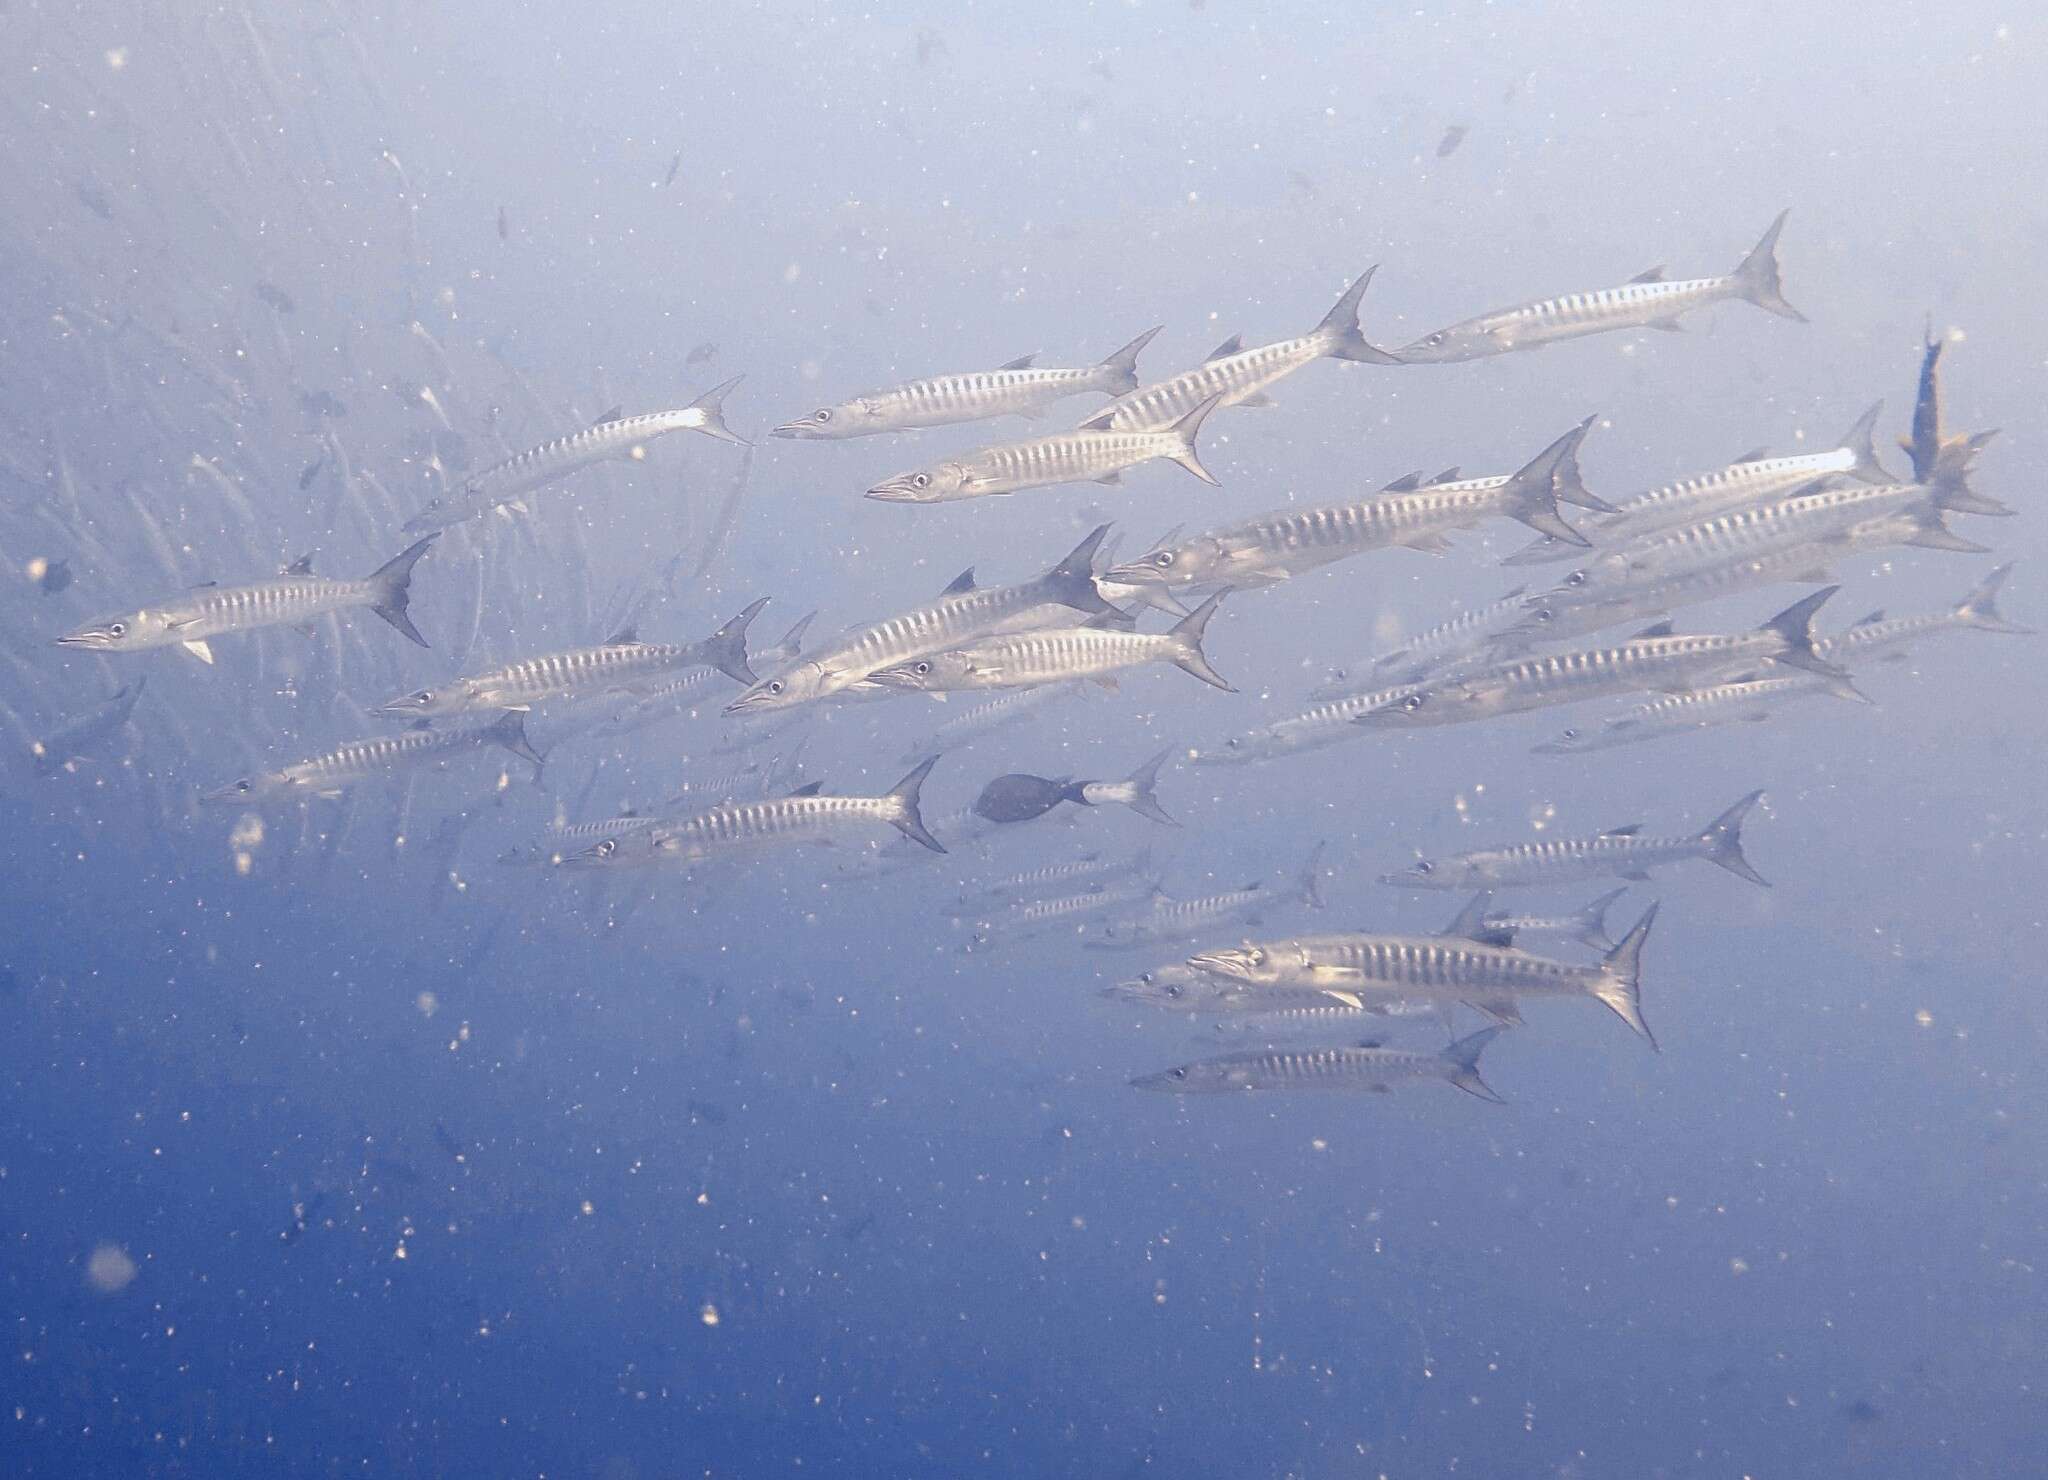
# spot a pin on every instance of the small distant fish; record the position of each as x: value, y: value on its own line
x: 1453, y: 137
x: 673, y: 165
x: 94, y: 199
x: 52, y: 577
x: 1620, y: 852
x: 81, y: 738
x: 445, y: 1139
x: 1058, y: 654
x: 331, y: 774
x: 1089, y: 454
x: 1647, y: 300
x: 702, y: 354
x: 1366, y: 1066
x: 311, y: 471
x: 276, y: 297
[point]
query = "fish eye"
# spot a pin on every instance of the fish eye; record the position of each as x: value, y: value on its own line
x: 1234, y: 741
x: 1576, y: 578
x: 922, y: 480
x: 1571, y: 734
x: 242, y: 785
x: 1546, y: 615
x: 921, y: 669
x: 1436, y: 338
x: 1412, y: 703
x: 1425, y: 867
x: 1164, y: 559
x: 824, y: 414
x: 1175, y: 990
x: 117, y: 629
x: 775, y: 686
x: 1180, y: 1074
x: 607, y: 848
x: 424, y: 696
x: 1258, y: 958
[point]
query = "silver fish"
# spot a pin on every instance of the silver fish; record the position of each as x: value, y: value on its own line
x: 1467, y: 963
x: 1656, y: 659
x: 1234, y: 376
x: 655, y: 702
x: 1019, y: 388
x: 1162, y: 917
x: 1427, y: 652
x: 621, y: 662
x: 738, y: 828
x: 613, y: 436
x: 963, y: 613
x: 1878, y: 635
x: 1320, y: 725
x: 361, y: 760
x: 1746, y: 701
x: 1587, y: 926
x: 1089, y: 869
x: 1409, y: 512
x: 296, y: 598
x: 1079, y: 456
x: 1363, y: 1067
x: 1054, y: 655
x: 1619, y: 852
x: 1647, y: 300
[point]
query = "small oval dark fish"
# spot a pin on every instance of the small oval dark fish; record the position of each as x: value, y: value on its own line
x: 312, y: 471
x: 673, y: 165
x: 56, y: 577
x: 1019, y: 798
x: 276, y: 297
x: 504, y: 225
x: 1453, y: 137
x: 703, y: 354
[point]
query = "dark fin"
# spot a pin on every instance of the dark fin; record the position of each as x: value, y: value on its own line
x: 905, y: 792
x: 1113, y: 620
x: 1471, y: 923
x: 794, y: 637
x: 1531, y: 493
x: 617, y: 413
x: 1933, y: 534
x: 1757, y: 278
x: 726, y: 649
x: 1100, y: 421
x: 960, y: 584
x: 1795, y: 626
x: 1258, y: 401
x: 1636, y: 875
x: 391, y: 584
x: 1406, y: 483
x: 1755, y: 454
x: 1187, y: 653
x: 808, y: 789
x: 1589, y: 925
x: 1072, y: 581
x: 1859, y: 440
x: 1022, y: 362
x: 1143, y: 781
x: 1503, y: 1010
x: 1664, y: 628
x: 1653, y: 275
x: 1870, y: 621
x: 624, y: 636
x: 1114, y: 480
x: 1340, y: 332
x: 1621, y: 987
x: 1461, y: 1060
x: 1565, y: 478
x: 1428, y: 544
x: 1123, y: 365
x: 1668, y: 326
x: 1231, y: 346
x: 1721, y: 841
x: 1185, y: 430
x: 1308, y: 886
x: 1980, y: 608
x: 303, y: 566
x: 509, y: 730
x: 712, y: 404
x: 1632, y: 830
x: 1448, y: 475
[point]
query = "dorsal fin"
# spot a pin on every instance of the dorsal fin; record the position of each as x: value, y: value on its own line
x: 617, y: 413
x: 1022, y: 362
x: 1755, y: 454
x: 1448, y: 475
x: 303, y: 566
x: 1254, y: 884
x: 1471, y: 923
x: 809, y: 789
x: 1113, y: 620
x: 202, y: 585
x: 1621, y: 832
x: 626, y: 634
x: 962, y: 583
x: 1231, y: 346
x: 1657, y: 629
x: 1101, y: 420
x: 1653, y: 275
x: 1372, y: 1043
x: 1872, y: 620
x: 1406, y: 483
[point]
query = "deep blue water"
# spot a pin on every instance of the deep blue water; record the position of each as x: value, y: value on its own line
x: 367, y: 1157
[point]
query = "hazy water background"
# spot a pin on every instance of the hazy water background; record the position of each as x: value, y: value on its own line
x: 941, y: 1234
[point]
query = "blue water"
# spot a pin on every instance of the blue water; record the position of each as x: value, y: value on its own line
x: 326, y: 1150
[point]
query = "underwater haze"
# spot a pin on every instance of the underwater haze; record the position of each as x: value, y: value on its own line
x: 1088, y: 979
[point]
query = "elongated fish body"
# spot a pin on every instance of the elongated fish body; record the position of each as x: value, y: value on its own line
x: 1655, y: 660
x: 558, y: 840
x: 1426, y: 652
x: 382, y: 755
x: 1179, y: 987
x: 1285, y: 542
x: 1055, y: 655
x: 1027, y: 916
x: 1444, y: 968
x: 1648, y: 301
x: 664, y: 698
x: 1235, y: 377
x: 1587, y: 926
x: 1621, y: 852
x: 1078, y: 456
x: 293, y: 599
x: 623, y: 662
x: 1363, y: 1068
x: 985, y: 719
x: 1877, y: 636
x: 1746, y: 702
x: 737, y: 829
x: 1328, y: 723
x: 83, y: 736
x: 962, y: 614
x: 1160, y: 917
x: 1755, y: 480
x: 1042, y: 882
x: 1017, y: 389
x: 552, y: 461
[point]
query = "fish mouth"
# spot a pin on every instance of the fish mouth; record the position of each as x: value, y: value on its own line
x: 758, y: 698
x: 1134, y: 573
x: 897, y: 491
x: 898, y: 676
x: 232, y: 792
x: 1409, y: 878
x: 801, y: 430
x: 74, y: 639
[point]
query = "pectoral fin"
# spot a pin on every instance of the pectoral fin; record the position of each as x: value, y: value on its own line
x: 197, y: 648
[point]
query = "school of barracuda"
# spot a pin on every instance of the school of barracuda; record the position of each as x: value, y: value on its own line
x: 1058, y: 629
